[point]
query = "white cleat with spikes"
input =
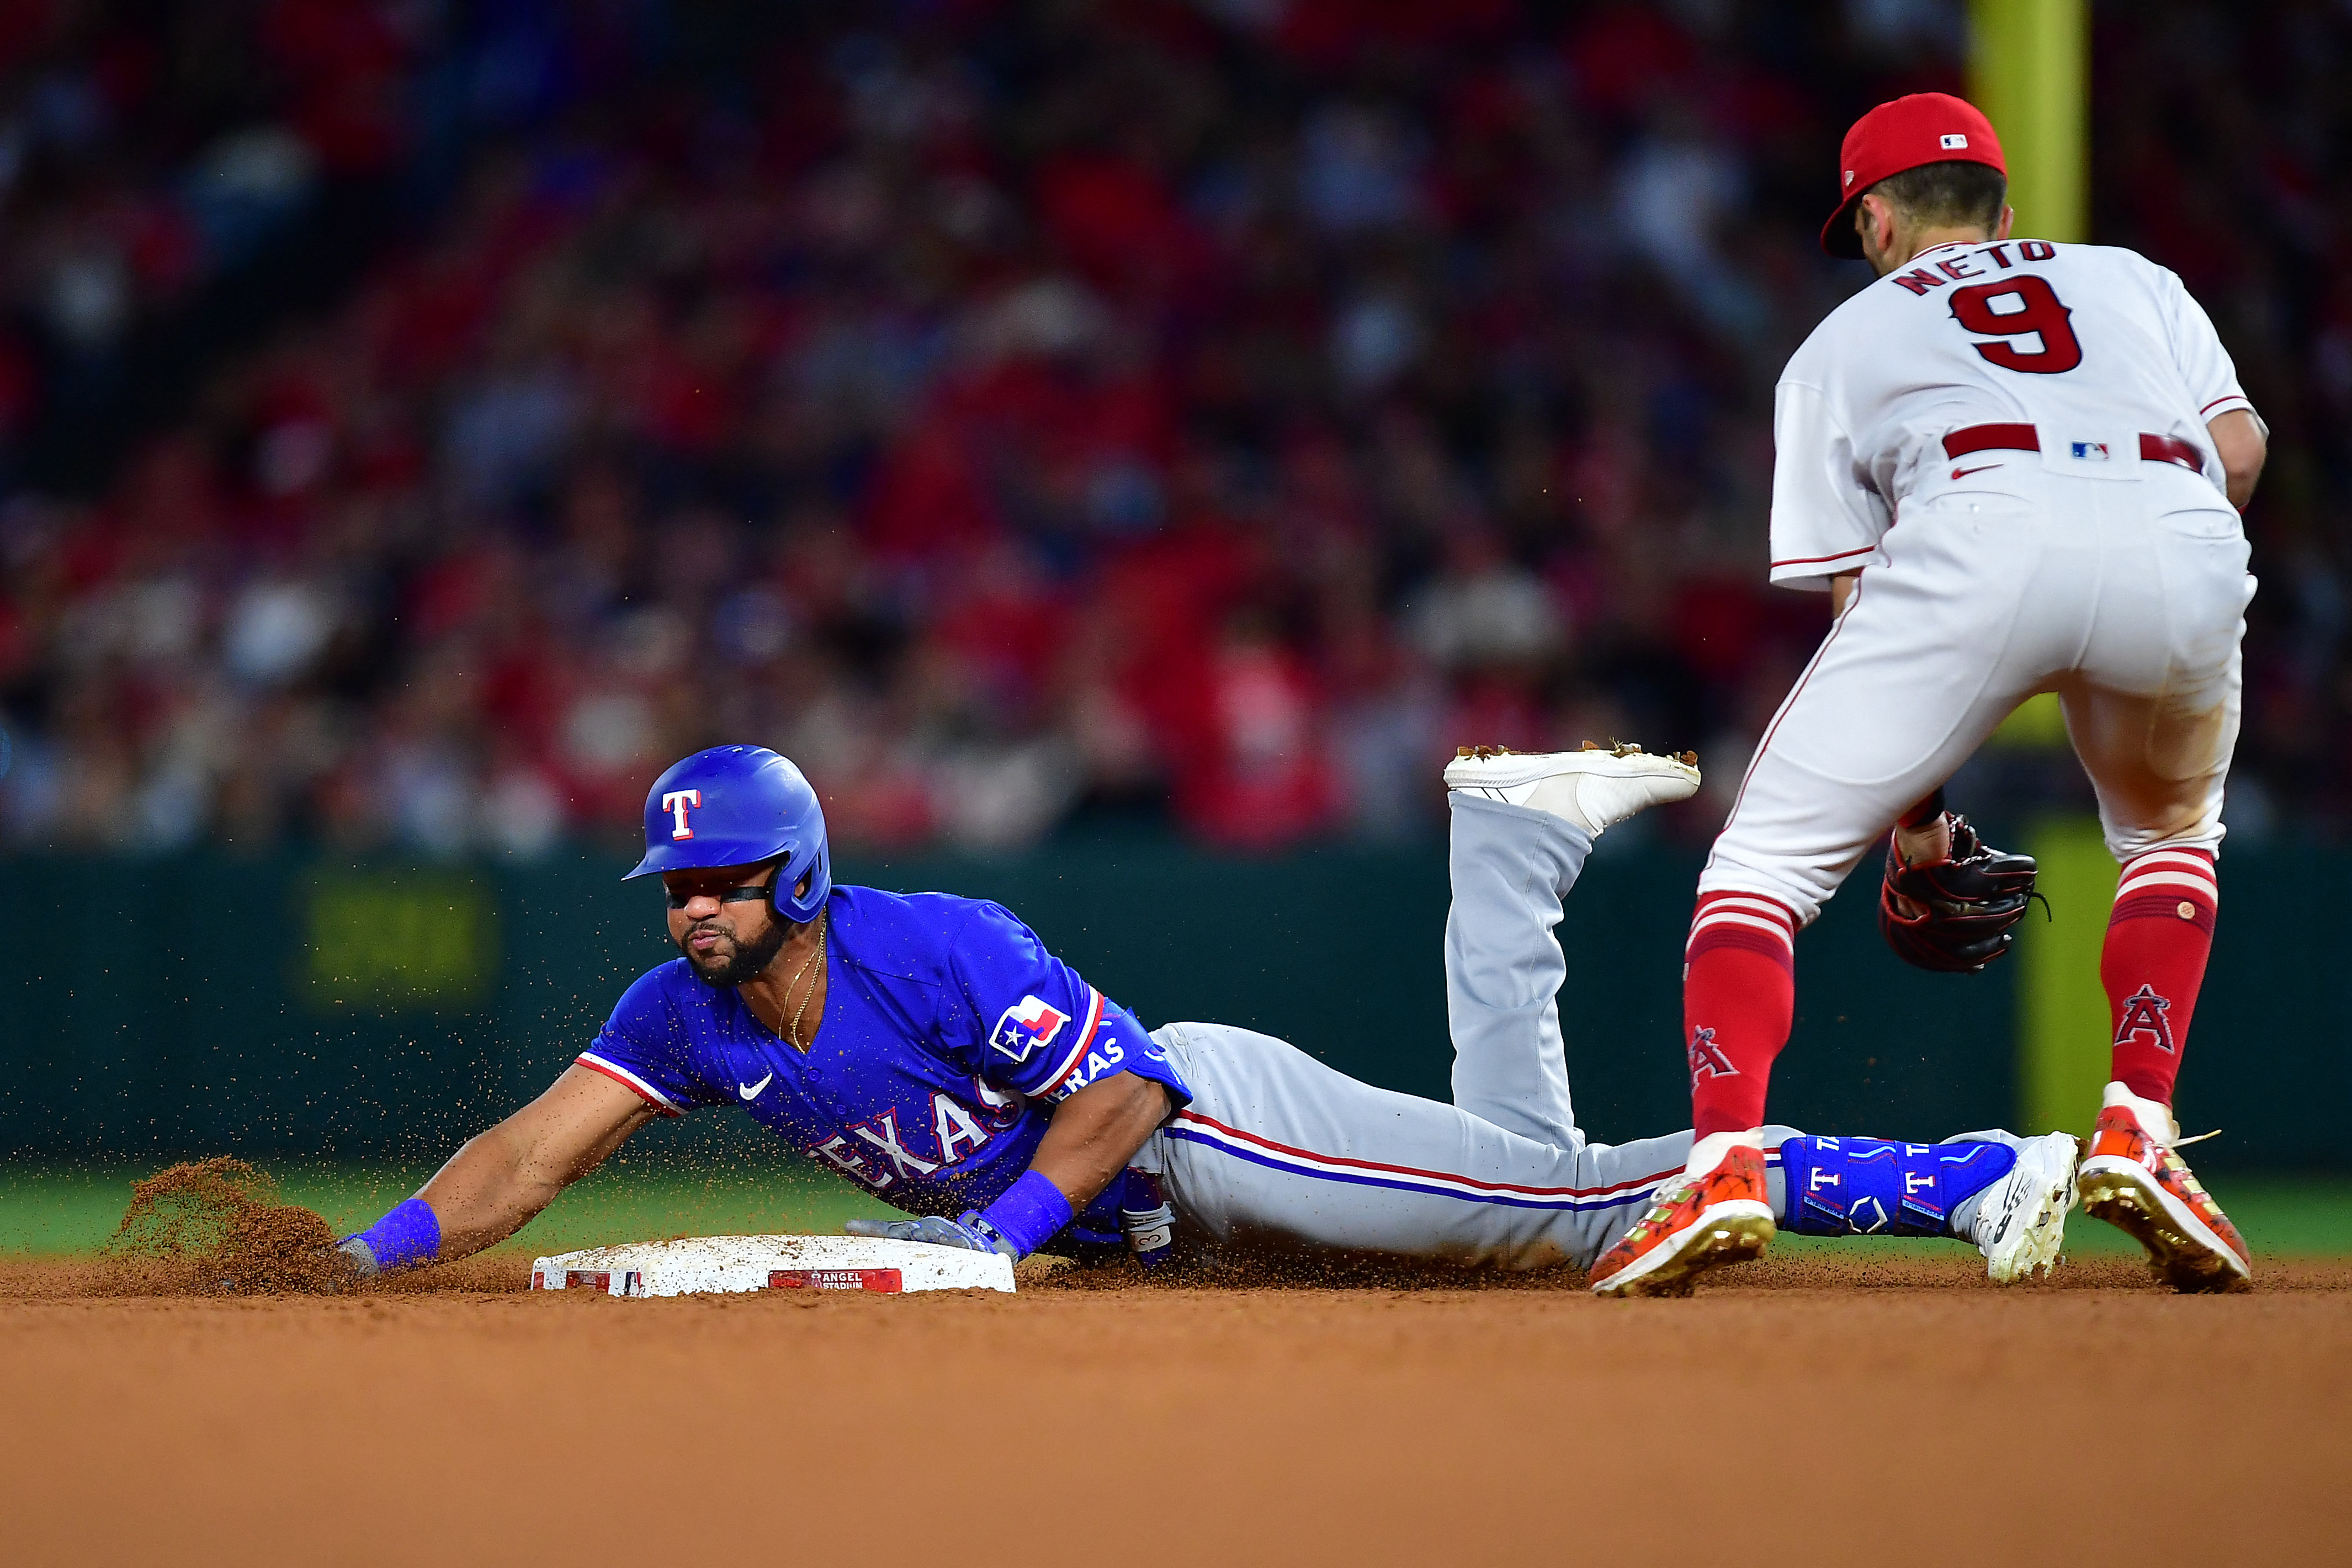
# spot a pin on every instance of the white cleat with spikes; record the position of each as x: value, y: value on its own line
x: 2021, y: 1222
x: 1593, y: 790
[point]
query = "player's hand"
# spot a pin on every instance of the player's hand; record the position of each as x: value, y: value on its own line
x: 1148, y: 1218
x: 971, y: 1233
x: 1959, y: 914
x: 356, y: 1259
x: 338, y: 1268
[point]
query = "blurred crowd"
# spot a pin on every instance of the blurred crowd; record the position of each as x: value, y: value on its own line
x: 148, y: 148
x: 1027, y: 415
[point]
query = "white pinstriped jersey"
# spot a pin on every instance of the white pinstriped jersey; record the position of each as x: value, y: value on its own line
x: 2093, y: 345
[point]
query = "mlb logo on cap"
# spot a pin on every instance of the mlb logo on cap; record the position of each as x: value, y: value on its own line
x: 1921, y: 128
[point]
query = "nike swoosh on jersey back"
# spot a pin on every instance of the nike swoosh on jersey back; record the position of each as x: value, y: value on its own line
x: 751, y: 1090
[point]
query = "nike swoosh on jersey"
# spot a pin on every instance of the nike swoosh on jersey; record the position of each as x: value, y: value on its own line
x: 1964, y: 473
x: 751, y: 1090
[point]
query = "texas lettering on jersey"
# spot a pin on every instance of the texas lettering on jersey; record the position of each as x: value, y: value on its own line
x: 874, y: 1151
x: 950, y: 1032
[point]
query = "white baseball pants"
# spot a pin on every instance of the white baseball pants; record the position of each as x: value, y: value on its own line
x: 1278, y: 1152
x: 2126, y: 597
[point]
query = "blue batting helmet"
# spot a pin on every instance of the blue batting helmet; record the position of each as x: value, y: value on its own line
x: 739, y: 805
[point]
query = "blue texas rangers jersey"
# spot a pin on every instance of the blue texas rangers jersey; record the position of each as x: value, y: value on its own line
x: 949, y: 1033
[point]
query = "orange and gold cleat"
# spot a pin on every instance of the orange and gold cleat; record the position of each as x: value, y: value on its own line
x: 2135, y: 1180
x: 1694, y: 1223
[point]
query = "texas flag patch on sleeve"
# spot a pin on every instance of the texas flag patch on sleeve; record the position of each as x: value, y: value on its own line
x: 1028, y: 1026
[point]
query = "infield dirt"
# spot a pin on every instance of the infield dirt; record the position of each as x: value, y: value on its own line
x: 1808, y: 1412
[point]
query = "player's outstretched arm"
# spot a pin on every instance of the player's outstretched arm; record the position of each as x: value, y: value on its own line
x: 2238, y: 439
x: 1093, y: 1135
x: 494, y: 1186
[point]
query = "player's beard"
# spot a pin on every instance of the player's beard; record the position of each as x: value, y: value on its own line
x: 746, y: 963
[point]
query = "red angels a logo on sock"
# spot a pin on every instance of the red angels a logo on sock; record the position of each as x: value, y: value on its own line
x: 2143, y: 1013
x: 1706, y: 1057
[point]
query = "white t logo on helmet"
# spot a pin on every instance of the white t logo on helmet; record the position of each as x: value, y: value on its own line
x: 676, y: 803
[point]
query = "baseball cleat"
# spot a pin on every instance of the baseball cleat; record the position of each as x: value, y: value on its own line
x: 1694, y: 1223
x: 2136, y: 1180
x: 2021, y: 1222
x: 1593, y: 790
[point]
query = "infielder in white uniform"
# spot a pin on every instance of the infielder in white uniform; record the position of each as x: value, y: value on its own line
x: 2016, y: 466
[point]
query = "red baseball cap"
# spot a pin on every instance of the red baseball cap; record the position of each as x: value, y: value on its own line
x: 1923, y: 128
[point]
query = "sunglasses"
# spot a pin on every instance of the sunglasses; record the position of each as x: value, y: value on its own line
x: 748, y: 893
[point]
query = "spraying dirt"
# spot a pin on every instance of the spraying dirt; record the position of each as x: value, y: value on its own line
x: 215, y: 1227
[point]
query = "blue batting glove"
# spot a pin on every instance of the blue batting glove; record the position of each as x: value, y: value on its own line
x: 971, y: 1233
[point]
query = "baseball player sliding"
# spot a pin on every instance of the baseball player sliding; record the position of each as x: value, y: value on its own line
x: 930, y: 1048
x: 2016, y: 466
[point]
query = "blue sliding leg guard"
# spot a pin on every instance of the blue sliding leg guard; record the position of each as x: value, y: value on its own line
x: 1868, y: 1187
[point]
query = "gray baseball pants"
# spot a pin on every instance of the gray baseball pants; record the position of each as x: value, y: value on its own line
x: 1278, y: 1152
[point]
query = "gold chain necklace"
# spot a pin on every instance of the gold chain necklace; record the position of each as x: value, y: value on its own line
x: 792, y: 1030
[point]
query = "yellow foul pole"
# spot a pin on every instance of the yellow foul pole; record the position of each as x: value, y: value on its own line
x: 2029, y: 70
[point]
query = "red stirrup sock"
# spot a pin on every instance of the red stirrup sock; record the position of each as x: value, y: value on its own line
x: 2158, y: 941
x: 1739, y: 997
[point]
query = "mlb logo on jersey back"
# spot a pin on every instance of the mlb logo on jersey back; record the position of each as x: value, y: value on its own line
x: 1027, y: 1027
x: 2090, y: 451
